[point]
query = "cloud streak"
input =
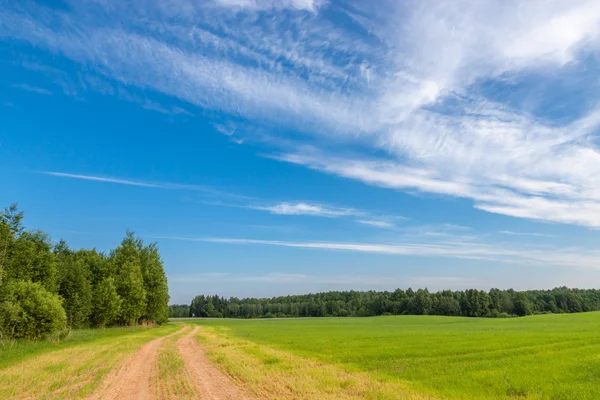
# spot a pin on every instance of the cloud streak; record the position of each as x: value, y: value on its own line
x: 570, y: 258
x: 344, y: 281
x: 302, y: 208
x: 144, y: 184
x: 410, y: 96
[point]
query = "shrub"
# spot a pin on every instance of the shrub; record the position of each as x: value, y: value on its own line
x: 28, y: 311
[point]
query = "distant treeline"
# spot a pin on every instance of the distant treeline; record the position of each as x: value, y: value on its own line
x: 468, y: 303
x: 46, y: 287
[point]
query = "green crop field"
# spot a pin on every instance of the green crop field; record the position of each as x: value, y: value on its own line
x: 537, y: 357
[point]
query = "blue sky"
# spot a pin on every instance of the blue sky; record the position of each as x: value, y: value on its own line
x: 292, y: 146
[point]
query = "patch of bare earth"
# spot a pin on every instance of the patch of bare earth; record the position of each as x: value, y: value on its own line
x: 209, y: 381
x: 133, y: 379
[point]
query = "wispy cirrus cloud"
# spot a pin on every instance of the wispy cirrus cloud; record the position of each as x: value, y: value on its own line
x: 526, y: 234
x: 534, y: 256
x: 376, y: 223
x: 32, y: 89
x: 283, y: 208
x: 104, y: 179
x: 449, y: 96
x: 145, y: 184
x: 343, y: 281
x: 309, y: 5
x: 303, y: 208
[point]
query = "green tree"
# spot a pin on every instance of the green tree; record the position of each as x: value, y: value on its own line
x: 107, y: 303
x: 30, y: 258
x: 522, y: 305
x: 422, y: 302
x: 126, y: 263
x: 10, y: 226
x: 130, y: 287
x: 155, y: 285
x: 29, y: 311
x: 74, y: 286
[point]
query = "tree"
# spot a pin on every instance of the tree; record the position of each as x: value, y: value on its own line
x: 155, y: 285
x: 30, y: 258
x: 29, y: 311
x: 421, y: 303
x: 74, y: 286
x: 130, y: 287
x: 522, y: 305
x: 107, y: 303
x: 10, y: 226
x: 125, y: 261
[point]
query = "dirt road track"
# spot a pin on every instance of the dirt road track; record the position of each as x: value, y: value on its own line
x: 210, y: 383
x: 132, y: 380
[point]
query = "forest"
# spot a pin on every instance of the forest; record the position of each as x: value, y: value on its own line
x: 48, y: 288
x: 495, y: 303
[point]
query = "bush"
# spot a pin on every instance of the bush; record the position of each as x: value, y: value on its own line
x: 28, y: 311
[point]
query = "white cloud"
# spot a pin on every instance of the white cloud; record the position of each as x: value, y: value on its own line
x: 308, y: 5
x: 406, y: 87
x: 32, y: 89
x: 328, y: 211
x: 376, y: 223
x: 571, y: 258
x: 146, y: 184
x: 103, y: 179
x: 302, y: 208
x: 344, y: 281
x: 526, y: 234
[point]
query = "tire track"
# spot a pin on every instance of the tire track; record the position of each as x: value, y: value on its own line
x: 133, y: 379
x: 209, y: 381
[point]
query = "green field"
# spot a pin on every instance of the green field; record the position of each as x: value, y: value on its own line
x: 538, y: 357
x: 397, y: 357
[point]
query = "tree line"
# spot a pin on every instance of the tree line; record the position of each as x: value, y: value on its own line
x: 469, y: 303
x: 47, y: 287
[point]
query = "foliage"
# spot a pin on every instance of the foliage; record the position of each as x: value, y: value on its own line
x: 179, y: 311
x: 41, y: 283
x: 29, y: 311
x: 107, y: 303
x: 469, y: 303
x: 130, y: 287
x: 155, y: 285
x: 74, y: 287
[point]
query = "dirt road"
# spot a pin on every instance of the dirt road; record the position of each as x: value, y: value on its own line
x: 133, y: 379
x: 210, y: 383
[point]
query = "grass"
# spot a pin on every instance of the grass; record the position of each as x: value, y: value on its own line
x: 71, y: 368
x: 554, y: 357
x: 540, y: 357
x: 171, y: 379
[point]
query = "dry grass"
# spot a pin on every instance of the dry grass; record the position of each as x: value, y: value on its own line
x: 171, y: 379
x: 72, y: 372
x: 276, y: 374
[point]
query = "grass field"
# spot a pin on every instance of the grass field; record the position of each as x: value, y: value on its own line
x: 538, y: 357
x: 400, y: 357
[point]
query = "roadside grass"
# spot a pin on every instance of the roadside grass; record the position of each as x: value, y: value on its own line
x: 275, y: 374
x: 171, y: 379
x: 72, y: 368
x: 540, y: 357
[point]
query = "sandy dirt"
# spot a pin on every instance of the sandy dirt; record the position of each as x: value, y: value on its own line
x: 210, y: 382
x: 133, y: 379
